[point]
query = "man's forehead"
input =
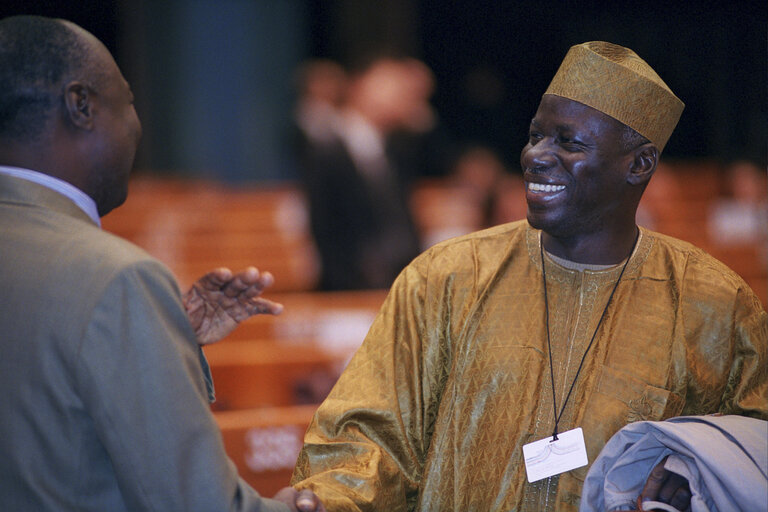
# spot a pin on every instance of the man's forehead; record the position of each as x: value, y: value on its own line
x: 569, y: 114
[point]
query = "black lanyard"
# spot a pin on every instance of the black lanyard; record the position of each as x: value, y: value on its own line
x: 549, y: 345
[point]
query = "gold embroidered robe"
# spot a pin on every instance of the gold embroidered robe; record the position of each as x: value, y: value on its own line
x: 453, y: 377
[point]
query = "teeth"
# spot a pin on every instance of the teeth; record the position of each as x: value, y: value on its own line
x: 541, y: 187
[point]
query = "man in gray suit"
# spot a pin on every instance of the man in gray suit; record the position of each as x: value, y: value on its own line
x: 105, y: 390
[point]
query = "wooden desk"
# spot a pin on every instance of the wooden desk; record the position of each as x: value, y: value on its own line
x: 335, y: 318
x: 268, y: 373
x: 264, y: 443
x: 294, y: 357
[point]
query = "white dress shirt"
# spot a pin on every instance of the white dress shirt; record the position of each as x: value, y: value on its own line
x: 68, y: 190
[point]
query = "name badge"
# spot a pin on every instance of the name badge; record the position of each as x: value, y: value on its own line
x: 545, y: 457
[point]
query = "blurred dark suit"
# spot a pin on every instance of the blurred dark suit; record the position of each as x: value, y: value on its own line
x: 359, y: 216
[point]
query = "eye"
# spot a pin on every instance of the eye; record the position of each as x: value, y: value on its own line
x: 570, y: 145
x: 534, y: 137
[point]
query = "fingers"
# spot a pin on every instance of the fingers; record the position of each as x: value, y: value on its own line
x: 675, y: 485
x: 681, y: 498
x: 262, y: 307
x: 239, y: 293
x: 224, y: 279
x: 215, y: 279
x: 303, y: 501
x: 655, y: 481
x: 249, y: 282
x: 286, y: 495
x: 307, y: 501
x: 666, y: 487
x: 246, y: 287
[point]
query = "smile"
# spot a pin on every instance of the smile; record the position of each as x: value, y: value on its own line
x: 543, y: 187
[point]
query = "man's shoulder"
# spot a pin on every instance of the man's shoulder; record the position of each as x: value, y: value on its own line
x: 112, y: 257
x: 60, y: 266
x: 125, y: 251
x: 102, y: 248
x: 680, y: 252
x: 87, y: 254
x: 488, y: 248
x: 503, y: 233
x: 698, y: 271
x: 45, y: 222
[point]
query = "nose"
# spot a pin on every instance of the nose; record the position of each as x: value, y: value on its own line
x: 538, y: 156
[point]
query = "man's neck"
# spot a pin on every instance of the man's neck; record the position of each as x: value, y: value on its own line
x: 579, y: 267
x: 80, y: 198
x: 594, y: 250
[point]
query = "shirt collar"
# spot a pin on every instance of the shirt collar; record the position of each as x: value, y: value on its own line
x: 80, y: 198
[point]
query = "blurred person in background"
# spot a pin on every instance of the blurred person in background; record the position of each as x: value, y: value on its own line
x: 321, y: 85
x: 422, y: 146
x: 495, y: 191
x: 358, y: 197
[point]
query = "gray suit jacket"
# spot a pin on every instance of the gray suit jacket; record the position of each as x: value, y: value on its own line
x: 103, y: 404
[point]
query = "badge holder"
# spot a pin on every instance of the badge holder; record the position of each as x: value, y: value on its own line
x: 549, y: 457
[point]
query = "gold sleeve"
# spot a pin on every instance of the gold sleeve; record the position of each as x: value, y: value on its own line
x: 365, y: 447
x: 747, y: 390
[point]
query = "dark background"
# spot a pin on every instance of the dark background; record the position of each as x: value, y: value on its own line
x: 213, y: 79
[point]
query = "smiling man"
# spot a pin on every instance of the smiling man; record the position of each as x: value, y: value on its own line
x: 503, y: 361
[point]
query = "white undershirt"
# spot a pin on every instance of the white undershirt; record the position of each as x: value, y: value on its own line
x: 80, y: 198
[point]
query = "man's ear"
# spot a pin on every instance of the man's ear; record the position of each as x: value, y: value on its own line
x: 645, y: 160
x: 78, y: 100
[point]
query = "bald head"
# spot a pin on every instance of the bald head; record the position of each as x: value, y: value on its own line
x: 65, y: 108
x: 37, y: 57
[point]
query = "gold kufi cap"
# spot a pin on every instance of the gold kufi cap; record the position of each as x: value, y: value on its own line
x: 615, y: 81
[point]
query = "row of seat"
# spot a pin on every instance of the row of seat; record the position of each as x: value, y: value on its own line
x: 194, y: 226
x: 264, y: 442
x: 272, y: 371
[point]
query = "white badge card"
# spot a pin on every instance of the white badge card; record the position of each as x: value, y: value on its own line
x: 545, y: 457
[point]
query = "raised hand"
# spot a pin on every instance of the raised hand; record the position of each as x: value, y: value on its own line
x: 220, y: 300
